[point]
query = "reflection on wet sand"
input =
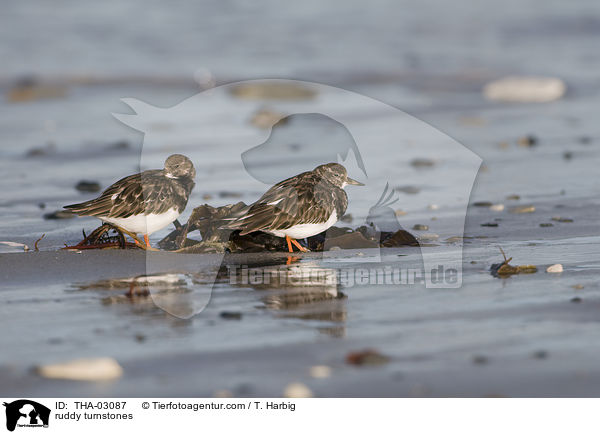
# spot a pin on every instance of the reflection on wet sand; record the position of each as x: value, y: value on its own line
x: 181, y: 295
x: 302, y: 290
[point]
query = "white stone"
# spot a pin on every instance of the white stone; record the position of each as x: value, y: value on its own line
x: 320, y: 371
x: 556, y: 268
x: 297, y: 390
x: 97, y: 369
x: 428, y: 236
x: 525, y: 89
x: 497, y: 207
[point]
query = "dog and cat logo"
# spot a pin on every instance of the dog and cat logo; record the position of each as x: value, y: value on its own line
x: 25, y: 413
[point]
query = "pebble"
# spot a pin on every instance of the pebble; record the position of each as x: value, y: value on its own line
x: 433, y: 207
x: 226, y: 194
x: 525, y: 89
x: 578, y: 286
x: 297, y: 390
x: 366, y: 357
x: 12, y: 245
x: 490, y: 225
x: 480, y: 360
x: 428, y: 236
x: 88, y: 186
x: 483, y: 204
x: 576, y: 300
x: 562, y: 220
x: 546, y: 225
x: 422, y: 162
x: 231, y: 315
x: 527, y: 141
x: 399, y: 212
x: 93, y: 369
x: 585, y: 140
x: 207, y: 196
x: 420, y: 227
x: 59, y: 215
x: 408, y: 189
x: 541, y: 354
x: 556, y: 268
x: 513, y: 197
x: 568, y: 155
x: 266, y: 118
x: 320, y: 371
x: 497, y: 207
x: 118, y: 145
x: 273, y: 90
x: 525, y: 209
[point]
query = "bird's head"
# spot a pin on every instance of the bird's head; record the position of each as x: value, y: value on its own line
x: 336, y: 174
x: 179, y: 166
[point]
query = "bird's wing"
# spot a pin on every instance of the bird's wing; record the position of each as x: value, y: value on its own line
x: 294, y: 201
x: 140, y: 193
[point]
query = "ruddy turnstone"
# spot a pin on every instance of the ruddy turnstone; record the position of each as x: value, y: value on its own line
x: 299, y: 207
x: 144, y: 202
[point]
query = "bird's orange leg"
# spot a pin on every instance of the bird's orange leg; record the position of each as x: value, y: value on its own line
x: 289, y: 243
x: 297, y: 244
x: 147, y: 240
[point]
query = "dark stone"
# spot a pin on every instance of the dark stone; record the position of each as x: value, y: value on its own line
x: 353, y: 240
x: 490, y: 225
x: 88, y: 186
x: 480, y: 360
x: 399, y: 238
x: 231, y: 315
x: 59, y: 215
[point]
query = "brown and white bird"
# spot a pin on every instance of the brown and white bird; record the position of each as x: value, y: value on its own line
x: 145, y: 202
x: 299, y: 207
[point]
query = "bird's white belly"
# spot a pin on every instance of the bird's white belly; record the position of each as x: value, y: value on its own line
x: 144, y: 224
x: 307, y: 229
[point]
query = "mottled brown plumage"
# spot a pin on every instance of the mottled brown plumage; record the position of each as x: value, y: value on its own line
x: 152, y: 192
x: 310, y: 198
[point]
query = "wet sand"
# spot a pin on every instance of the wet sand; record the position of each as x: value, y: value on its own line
x: 526, y: 335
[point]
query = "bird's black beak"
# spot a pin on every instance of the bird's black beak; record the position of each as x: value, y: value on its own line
x: 351, y: 181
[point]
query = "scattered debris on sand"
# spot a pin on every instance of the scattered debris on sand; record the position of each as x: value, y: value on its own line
x: 504, y: 269
x: 106, y: 236
x: 208, y: 221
